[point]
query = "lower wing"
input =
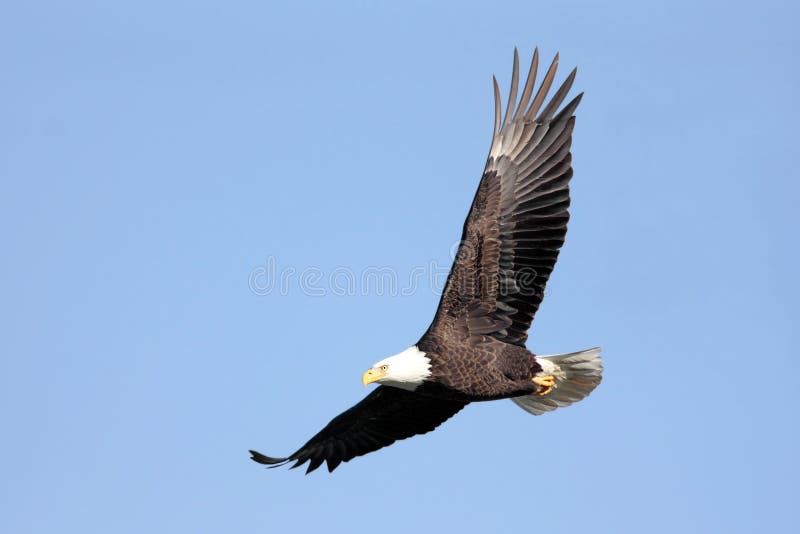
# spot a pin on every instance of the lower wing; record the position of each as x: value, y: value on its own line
x: 384, y: 416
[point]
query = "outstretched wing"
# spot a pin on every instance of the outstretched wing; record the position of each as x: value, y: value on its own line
x: 383, y: 417
x: 518, y: 218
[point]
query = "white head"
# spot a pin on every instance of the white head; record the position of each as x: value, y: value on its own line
x: 406, y: 370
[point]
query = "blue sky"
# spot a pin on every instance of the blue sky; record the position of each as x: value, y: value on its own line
x: 158, y: 156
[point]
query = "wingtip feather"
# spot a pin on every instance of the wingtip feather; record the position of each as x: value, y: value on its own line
x: 551, y: 108
x: 512, y: 94
x: 266, y: 460
x: 541, y: 94
x: 530, y: 82
x: 569, y: 109
x: 497, y: 105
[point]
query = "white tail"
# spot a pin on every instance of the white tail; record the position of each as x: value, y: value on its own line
x: 576, y: 374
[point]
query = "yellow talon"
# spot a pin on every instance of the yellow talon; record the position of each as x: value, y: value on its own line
x: 546, y: 382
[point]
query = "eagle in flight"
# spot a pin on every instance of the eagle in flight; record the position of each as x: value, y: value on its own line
x: 474, y: 349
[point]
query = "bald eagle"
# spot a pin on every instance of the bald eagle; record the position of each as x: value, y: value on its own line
x: 474, y: 349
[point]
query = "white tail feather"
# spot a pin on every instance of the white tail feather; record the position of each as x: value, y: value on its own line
x: 576, y: 374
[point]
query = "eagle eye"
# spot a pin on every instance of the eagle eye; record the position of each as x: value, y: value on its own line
x: 384, y: 367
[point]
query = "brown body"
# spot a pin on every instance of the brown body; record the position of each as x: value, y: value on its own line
x: 482, y: 371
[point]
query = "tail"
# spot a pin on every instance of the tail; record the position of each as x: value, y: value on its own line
x: 576, y: 374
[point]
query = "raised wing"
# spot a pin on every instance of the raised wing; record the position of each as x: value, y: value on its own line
x: 518, y: 219
x: 383, y: 417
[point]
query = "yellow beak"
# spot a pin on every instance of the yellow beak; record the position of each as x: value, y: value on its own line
x: 371, y: 376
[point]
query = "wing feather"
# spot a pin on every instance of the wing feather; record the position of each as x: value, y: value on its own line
x: 384, y: 416
x: 518, y: 219
x: 512, y: 94
x: 541, y: 94
x: 529, y: 84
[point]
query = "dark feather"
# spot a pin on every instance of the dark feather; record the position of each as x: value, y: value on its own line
x: 384, y: 416
x: 518, y: 219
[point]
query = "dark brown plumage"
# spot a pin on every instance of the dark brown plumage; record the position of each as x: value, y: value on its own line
x: 475, y: 346
x: 384, y: 416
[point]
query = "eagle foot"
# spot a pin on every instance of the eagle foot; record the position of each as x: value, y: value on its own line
x: 545, y: 382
